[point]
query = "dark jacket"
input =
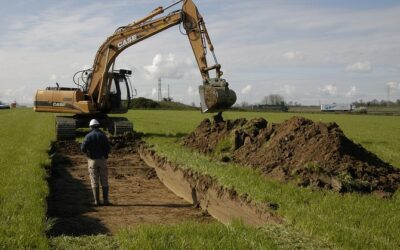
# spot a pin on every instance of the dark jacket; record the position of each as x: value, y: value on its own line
x: 96, y: 145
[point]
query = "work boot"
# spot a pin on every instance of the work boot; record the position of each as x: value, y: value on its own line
x: 96, y: 195
x: 106, y: 202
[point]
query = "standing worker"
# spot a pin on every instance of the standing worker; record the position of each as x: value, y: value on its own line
x: 97, y: 148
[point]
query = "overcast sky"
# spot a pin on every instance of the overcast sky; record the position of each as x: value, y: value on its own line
x: 307, y: 51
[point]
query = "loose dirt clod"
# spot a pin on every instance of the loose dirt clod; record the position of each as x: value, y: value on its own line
x: 298, y: 150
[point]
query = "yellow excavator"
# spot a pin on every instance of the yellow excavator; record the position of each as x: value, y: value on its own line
x: 99, y: 88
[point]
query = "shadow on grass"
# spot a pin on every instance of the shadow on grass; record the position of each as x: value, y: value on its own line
x: 68, y: 201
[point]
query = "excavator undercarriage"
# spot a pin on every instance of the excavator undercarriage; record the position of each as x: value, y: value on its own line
x: 68, y: 127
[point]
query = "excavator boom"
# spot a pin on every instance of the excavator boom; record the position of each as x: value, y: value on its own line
x: 215, y: 95
x: 100, y: 93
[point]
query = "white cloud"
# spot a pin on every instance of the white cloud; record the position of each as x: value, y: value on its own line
x: 351, y: 92
x: 393, y: 87
x: 74, y: 65
x: 191, y: 91
x: 246, y: 89
x: 54, y: 21
x: 330, y: 89
x: 167, y: 66
x: 60, y: 40
x: 288, y: 89
x: 294, y: 55
x: 23, y: 95
x: 142, y: 94
x: 360, y: 67
x: 153, y: 92
x: 53, y: 77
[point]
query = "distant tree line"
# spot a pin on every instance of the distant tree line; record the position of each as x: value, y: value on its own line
x: 278, y: 100
x: 376, y: 103
x: 273, y: 100
x: 270, y: 100
x: 166, y: 103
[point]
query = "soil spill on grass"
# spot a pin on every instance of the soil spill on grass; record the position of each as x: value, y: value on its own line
x: 137, y: 195
x: 298, y: 150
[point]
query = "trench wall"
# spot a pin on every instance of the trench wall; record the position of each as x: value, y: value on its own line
x: 222, y: 203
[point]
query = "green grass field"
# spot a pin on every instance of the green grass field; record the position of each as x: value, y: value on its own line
x: 24, y: 140
x: 379, y: 134
x: 315, y: 219
x: 349, y: 221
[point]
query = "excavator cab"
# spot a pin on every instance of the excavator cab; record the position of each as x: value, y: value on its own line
x: 119, y: 83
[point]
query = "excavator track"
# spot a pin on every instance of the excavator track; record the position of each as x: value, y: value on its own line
x: 65, y: 128
x: 121, y: 126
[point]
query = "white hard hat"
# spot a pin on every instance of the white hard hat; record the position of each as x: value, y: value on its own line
x: 94, y: 123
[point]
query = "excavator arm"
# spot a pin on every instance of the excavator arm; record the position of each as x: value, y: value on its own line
x: 214, y: 93
x: 118, y: 42
x: 100, y: 92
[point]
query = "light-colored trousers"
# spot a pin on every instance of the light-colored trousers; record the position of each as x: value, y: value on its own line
x: 98, y: 170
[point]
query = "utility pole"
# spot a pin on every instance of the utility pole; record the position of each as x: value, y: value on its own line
x: 159, y: 90
x: 168, y: 93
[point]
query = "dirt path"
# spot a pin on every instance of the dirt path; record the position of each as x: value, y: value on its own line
x: 137, y: 195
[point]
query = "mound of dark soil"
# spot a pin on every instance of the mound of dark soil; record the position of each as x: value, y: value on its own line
x: 298, y: 150
x: 127, y: 143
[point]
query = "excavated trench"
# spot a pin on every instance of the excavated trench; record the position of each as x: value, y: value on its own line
x: 137, y: 195
x: 144, y: 189
x: 148, y: 189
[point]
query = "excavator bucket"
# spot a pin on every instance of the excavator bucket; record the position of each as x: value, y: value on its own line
x: 216, y: 96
